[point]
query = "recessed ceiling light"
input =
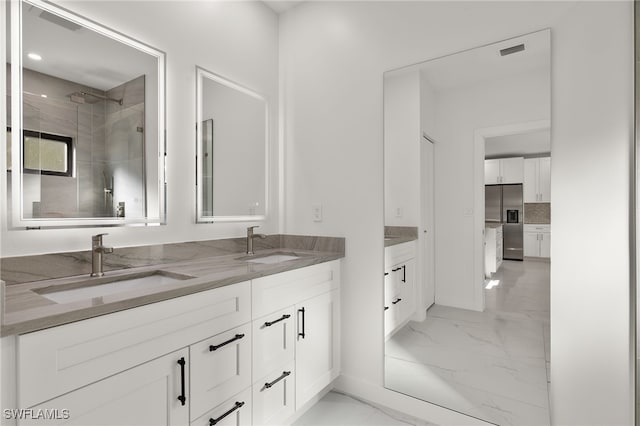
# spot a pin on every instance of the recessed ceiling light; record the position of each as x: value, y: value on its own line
x: 34, y: 56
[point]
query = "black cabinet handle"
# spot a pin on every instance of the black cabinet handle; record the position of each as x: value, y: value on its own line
x: 404, y: 273
x: 396, y: 270
x: 303, y: 334
x: 182, y: 398
x: 396, y: 301
x: 386, y: 273
x: 216, y: 347
x: 235, y: 407
x: 282, y: 318
x: 386, y: 307
x: 282, y: 376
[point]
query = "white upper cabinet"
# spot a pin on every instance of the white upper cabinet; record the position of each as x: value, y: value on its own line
x: 537, y: 180
x: 504, y: 170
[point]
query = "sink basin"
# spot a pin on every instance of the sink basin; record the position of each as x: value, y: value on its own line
x: 273, y: 258
x: 104, y: 286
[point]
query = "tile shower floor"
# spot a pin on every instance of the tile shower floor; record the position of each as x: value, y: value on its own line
x: 493, y: 364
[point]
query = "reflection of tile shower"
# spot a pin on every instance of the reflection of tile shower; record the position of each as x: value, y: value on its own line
x: 91, y: 98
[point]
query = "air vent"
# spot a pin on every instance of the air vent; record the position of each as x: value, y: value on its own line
x: 47, y: 16
x: 512, y: 49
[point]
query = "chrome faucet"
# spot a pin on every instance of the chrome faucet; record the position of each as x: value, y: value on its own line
x: 251, y: 236
x: 96, y: 255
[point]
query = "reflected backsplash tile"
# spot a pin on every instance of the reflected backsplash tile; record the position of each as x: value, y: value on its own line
x: 537, y: 213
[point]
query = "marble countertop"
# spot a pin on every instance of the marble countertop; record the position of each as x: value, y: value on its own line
x: 394, y: 235
x: 26, y: 310
x: 492, y: 225
x: 392, y: 241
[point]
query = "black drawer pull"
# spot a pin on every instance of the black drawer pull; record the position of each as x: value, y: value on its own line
x: 284, y: 374
x: 303, y: 333
x: 182, y: 398
x: 282, y: 318
x: 235, y: 407
x: 216, y: 347
x: 396, y: 270
x: 404, y: 273
x: 396, y: 301
x: 386, y: 307
x: 386, y: 273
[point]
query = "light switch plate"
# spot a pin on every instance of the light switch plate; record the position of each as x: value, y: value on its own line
x: 316, y: 212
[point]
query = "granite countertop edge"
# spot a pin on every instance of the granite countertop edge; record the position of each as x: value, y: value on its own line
x: 53, y: 314
x: 393, y: 241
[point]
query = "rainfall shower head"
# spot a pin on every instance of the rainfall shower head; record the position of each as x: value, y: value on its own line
x: 91, y: 98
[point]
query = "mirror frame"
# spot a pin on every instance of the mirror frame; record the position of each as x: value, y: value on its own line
x: 201, y: 74
x: 17, y: 218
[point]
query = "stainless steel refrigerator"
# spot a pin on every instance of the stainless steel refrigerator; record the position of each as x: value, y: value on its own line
x: 503, y: 204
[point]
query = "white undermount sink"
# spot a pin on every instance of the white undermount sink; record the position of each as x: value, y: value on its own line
x: 104, y: 286
x: 273, y: 258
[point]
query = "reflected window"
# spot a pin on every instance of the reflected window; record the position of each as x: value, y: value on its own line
x: 44, y: 153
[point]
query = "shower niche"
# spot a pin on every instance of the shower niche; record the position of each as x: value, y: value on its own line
x: 89, y: 103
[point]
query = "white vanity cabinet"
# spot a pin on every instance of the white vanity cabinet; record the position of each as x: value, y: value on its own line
x: 254, y: 352
x: 309, y: 298
x: 400, y: 287
x: 144, y: 395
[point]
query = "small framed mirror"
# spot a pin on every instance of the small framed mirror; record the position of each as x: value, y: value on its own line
x: 232, y: 140
x: 86, y: 124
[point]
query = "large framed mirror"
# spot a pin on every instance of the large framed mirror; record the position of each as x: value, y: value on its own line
x: 467, y: 149
x: 86, y: 122
x: 232, y: 145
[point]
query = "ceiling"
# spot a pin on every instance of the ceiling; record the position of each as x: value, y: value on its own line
x: 281, y: 6
x: 455, y: 70
x: 79, y: 54
x: 524, y: 144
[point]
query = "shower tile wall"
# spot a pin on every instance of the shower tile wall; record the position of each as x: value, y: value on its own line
x: 61, y: 196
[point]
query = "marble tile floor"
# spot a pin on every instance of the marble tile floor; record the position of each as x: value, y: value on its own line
x: 492, y: 365
x: 338, y: 409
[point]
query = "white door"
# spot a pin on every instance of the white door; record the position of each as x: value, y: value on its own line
x: 491, y: 172
x: 424, y: 269
x: 531, y: 244
x: 545, y: 179
x: 530, y: 184
x: 512, y: 170
x: 144, y: 395
x: 317, y: 345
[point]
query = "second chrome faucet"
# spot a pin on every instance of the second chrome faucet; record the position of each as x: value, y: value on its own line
x: 251, y: 236
x: 97, y: 249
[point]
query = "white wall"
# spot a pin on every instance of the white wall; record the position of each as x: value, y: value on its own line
x: 333, y: 57
x: 402, y: 149
x: 238, y: 40
x: 460, y: 112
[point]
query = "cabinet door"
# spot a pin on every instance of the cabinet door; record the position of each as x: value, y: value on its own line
x: 317, y: 345
x: 220, y: 368
x: 273, y: 341
x: 531, y: 244
x: 512, y: 170
x: 144, y: 395
x: 491, y: 172
x: 545, y: 244
x: 406, y: 278
x: 544, y: 181
x: 274, y: 396
x: 530, y: 184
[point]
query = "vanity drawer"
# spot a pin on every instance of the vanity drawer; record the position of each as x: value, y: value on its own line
x: 273, y: 341
x: 236, y: 411
x: 60, y: 359
x: 273, y: 396
x: 275, y: 292
x: 537, y: 228
x: 220, y: 367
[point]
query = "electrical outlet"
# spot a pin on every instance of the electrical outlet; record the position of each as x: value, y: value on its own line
x: 398, y: 211
x: 316, y: 212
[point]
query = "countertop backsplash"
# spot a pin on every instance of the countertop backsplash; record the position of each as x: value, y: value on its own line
x: 537, y: 213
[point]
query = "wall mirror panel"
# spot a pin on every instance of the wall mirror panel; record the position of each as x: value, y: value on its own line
x: 85, y: 122
x: 232, y: 151
x: 466, y: 294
